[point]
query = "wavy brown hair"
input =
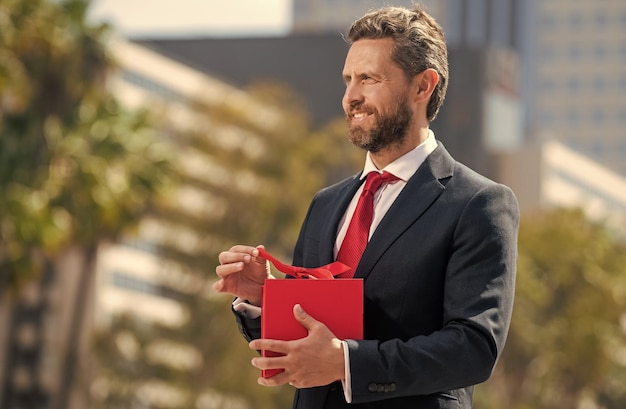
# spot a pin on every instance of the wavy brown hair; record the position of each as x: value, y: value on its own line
x: 419, y: 44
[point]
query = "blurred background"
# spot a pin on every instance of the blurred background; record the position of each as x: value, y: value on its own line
x: 138, y: 139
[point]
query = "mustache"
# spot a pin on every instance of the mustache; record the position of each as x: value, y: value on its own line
x: 360, y: 106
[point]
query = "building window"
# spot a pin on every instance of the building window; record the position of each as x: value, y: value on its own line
x: 576, y: 20
x: 548, y: 22
x: 547, y: 85
x: 601, y: 20
x: 546, y: 118
x: 599, y: 116
x: 501, y: 23
x: 454, y: 22
x: 127, y: 281
x: 573, y: 117
x: 548, y: 53
x: 573, y: 85
x: 476, y: 22
x: 574, y: 53
x: 597, y: 150
x: 599, y: 84
x: 600, y: 52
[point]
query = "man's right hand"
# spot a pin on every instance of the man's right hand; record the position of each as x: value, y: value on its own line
x: 242, y: 273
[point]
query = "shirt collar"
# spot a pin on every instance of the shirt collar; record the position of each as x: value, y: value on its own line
x: 405, y: 166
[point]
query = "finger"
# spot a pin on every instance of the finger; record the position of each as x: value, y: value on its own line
x: 279, y: 379
x: 249, y: 250
x: 269, y: 345
x: 305, y: 319
x: 225, y: 270
x: 229, y: 257
x: 271, y: 362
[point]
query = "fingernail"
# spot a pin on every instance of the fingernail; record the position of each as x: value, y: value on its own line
x: 299, y: 309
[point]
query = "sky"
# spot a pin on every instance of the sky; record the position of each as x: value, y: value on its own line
x: 194, y: 17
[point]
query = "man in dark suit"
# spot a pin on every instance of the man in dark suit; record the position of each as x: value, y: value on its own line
x: 439, y: 267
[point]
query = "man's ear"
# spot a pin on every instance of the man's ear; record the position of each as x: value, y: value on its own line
x: 425, y: 83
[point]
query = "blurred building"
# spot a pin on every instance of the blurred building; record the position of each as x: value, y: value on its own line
x: 337, y: 15
x: 309, y: 64
x: 481, y: 116
x: 483, y: 23
x: 572, y: 66
x: 574, y: 78
x: 551, y: 175
x: 134, y: 276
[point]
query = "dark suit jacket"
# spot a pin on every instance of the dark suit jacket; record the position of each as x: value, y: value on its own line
x: 439, y: 277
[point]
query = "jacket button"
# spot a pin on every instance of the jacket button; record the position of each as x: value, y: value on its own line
x: 390, y: 387
x: 372, y: 387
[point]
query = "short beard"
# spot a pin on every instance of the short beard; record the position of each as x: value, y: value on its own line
x: 390, y: 130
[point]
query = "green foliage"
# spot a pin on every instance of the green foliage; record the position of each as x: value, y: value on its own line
x: 566, y: 345
x: 74, y: 167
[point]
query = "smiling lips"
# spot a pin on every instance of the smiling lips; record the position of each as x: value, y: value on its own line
x: 359, y: 115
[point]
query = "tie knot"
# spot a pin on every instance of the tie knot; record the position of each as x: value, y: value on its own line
x: 375, y: 180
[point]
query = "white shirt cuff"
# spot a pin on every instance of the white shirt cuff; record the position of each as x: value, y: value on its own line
x: 347, y: 382
x: 245, y: 309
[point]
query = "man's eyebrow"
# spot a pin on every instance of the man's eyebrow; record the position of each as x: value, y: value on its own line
x: 363, y: 74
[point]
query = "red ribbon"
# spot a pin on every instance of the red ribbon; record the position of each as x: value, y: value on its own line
x: 327, y: 272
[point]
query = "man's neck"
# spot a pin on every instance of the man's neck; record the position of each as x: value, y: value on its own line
x: 389, y: 154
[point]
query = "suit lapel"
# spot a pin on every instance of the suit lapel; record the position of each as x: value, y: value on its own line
x: 420, y: 192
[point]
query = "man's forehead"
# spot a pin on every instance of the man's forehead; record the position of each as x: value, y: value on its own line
x: 369, y: 53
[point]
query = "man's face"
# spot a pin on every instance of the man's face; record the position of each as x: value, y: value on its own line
x: 376, y: 97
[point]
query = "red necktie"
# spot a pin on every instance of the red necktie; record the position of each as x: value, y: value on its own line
x: 358, y: 232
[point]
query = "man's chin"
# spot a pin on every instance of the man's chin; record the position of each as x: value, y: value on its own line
x: 359, y: 137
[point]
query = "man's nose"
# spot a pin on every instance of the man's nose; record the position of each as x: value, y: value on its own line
x: 352, y: 95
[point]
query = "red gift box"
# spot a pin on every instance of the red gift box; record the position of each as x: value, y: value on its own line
x: 336, y: 303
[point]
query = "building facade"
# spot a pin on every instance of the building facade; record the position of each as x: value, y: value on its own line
x: 575, y: 77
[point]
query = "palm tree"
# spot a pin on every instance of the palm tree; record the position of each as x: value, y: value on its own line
x: 75, y: 168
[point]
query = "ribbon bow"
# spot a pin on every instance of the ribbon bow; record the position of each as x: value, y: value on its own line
x: 329, y: 271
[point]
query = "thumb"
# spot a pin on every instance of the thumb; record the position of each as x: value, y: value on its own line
x: 303, y: 318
